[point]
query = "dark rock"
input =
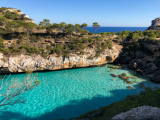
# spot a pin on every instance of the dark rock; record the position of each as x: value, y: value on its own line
x: 140, y: 54
x: 125, y: 54
x: 150, y: 76
x: 127, y: 58
x: 123, y: 61
x: 156, y: 73
x: 136, y: 64
x: 132, y: 53
x: 156, y: 79
x: 151, y: 67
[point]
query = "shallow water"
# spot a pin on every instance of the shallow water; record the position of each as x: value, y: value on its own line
x: 69, y: 93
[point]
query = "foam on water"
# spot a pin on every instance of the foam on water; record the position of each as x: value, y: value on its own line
x: 69, y: 93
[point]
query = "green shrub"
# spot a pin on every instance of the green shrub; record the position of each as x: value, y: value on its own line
x: 97, y: 54
x: 85, y: 40
x: 82, y: 52
x: 80, y: 35
x: 90, y: 40
x: 30, y: 49
x: 59, y: 47
x: 2, y: 45
x: 5, y: 51
x: 90, y: 33
x: 152, y: 36
x: 109, y: 43
x: 33, y: 39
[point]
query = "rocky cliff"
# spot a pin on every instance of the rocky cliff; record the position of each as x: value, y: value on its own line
x: 24, y: 63
x: 155, y: 24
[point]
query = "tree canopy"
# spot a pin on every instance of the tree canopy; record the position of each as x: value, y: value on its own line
x: 84, y: 25
x: 96, y: 26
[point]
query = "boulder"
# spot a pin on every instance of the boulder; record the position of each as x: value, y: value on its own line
x: 140, y: 54
x: 156, y: 73
x: 143, y: 112
x: 136, y: 64
x: 152, y: 48
x: 127, y: 58
x: 151, y: 67
x: 132, y: 53
x: 125, y: 54
x: 150, y: 76
x: 156, y: 79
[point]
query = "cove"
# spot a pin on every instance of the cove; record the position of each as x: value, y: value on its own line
x: 69, y: 93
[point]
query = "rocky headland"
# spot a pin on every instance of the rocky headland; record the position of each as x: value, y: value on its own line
x: 155, y: 24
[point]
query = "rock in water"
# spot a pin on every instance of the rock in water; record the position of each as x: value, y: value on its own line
x: 113, y: 75
x: 123, y: 77
x: 130, y: 87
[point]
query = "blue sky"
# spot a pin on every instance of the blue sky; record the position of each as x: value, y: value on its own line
x: 116, y: 13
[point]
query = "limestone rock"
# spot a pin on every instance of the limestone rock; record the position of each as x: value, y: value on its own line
x: 155, y: 24
x: 143, y: 112
x: 1, y: 55
x: 24, y: 63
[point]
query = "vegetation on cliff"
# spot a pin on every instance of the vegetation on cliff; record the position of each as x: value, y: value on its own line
x: 20, y: 37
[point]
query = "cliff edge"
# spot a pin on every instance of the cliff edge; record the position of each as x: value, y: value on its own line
x: 155, y: 24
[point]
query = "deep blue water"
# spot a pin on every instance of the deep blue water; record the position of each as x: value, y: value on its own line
x: 115, y: 29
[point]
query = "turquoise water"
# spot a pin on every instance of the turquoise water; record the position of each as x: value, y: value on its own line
x: 69, y: 93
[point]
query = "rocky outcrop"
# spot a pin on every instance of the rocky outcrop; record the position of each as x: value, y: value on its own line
x: 24, y: 63
x: 139, y: 113
x: 152, y: 48
x: 155, y: 24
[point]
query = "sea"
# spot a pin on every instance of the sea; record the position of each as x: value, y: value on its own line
x: 115, y: 29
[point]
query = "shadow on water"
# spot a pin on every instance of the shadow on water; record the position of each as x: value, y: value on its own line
x: 71, y: 110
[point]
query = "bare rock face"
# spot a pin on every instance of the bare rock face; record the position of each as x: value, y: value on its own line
x: 143, y: 112
x: 155, y: 24
x: 24, y: 63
